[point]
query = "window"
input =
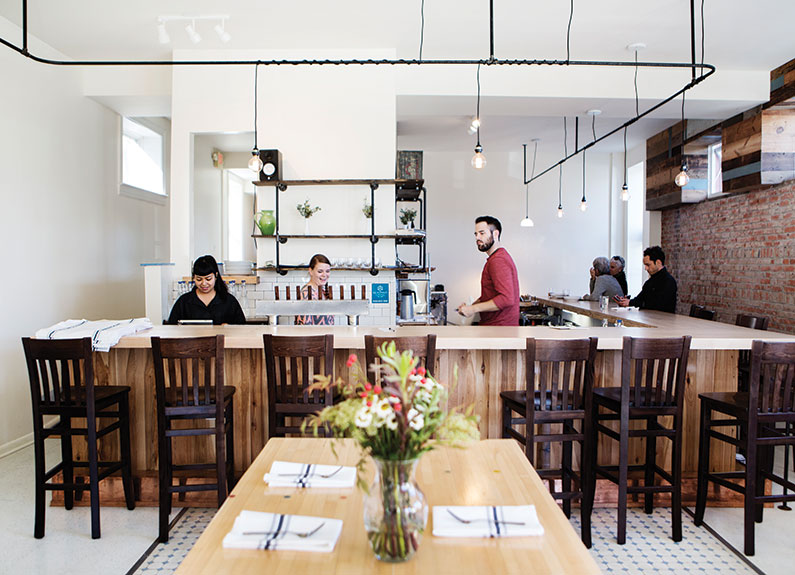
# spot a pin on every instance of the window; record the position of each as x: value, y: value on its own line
x: 714, y: 159
x: 143, y: 159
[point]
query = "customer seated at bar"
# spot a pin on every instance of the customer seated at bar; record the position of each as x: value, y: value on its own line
x: 315, y: 288
x: 602, y: 283
x: 659, y: 291
x: 209, y: 299
x: 617, y: 271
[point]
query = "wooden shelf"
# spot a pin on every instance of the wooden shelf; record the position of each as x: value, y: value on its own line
x: 253, y: 279
x: 335, y: 268
x: 333, y: 236
x: 287, y: 183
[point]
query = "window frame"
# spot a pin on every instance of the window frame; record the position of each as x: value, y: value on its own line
x: 134, y: 191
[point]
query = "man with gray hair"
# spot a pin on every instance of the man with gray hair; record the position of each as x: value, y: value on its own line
x: 602, y: 283
x: 617, y: 271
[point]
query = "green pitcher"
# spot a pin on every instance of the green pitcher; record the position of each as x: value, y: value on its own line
x: 266, y: 222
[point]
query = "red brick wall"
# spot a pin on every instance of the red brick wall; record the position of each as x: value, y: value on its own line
x: 736, y: 255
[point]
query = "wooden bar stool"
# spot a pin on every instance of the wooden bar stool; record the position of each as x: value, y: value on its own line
x: 558, y: 387
x: 423, y: 347
x: 769, y: 400
x: 291, y: 364
x: 700, y: 312
x: 189, y: 381
x: 61, y: 377
x: 652, y: 386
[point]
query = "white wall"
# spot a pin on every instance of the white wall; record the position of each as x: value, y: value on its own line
x: 207, y: 200
x: 72, y: 245
x: 554, y: 254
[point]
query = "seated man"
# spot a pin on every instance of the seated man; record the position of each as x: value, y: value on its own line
x: 659, y: 291
x: 602, y: 283
x: 617, y: 271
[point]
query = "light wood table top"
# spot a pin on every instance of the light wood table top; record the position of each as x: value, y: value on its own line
x: 491, y: 472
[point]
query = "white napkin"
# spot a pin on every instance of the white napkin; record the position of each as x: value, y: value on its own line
x: 275, y: 531
x: 287, y: 474
x: 104, y: 333
x: 486, y: 521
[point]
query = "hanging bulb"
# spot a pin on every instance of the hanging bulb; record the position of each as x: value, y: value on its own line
x: 255, y: 163
x: 560, y: 211
x: 526, y: 223
x: 624, y: 193
x: 478, y: 160
x: 474, y: 125
x: 583, y: 205
x: 682, y: 178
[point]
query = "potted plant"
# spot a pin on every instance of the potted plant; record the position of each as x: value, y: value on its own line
x: 394, y: 422
x: 307, y: 212
x: 407, y: 216
x: 367, y: 210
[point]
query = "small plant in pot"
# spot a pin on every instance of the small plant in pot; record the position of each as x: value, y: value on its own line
x: 306, y: 210
x: 367, y: 210
x: 407, y: 216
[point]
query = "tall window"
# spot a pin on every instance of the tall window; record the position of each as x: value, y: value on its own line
x: 143, y: 165
x: 715, y: 157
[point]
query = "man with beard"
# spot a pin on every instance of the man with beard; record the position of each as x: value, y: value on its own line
x: 498, y: 303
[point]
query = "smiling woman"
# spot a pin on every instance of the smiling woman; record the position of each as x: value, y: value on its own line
x: 209, y: 299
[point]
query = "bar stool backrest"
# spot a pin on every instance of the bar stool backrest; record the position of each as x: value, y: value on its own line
x: 561, y: 371
x: 653, y: 371
x: 752, y: 321
x: 61, y: 374
x: 291, y: 364
x: 701, y: 312
x: 189, y: 374
x: 423, y: 347
x: 772, y: 368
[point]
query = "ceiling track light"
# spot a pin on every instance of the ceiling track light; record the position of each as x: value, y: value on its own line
x: 194, y: 36
x: 223, y: 35
x: 191, y: 29
x: 162, y: 33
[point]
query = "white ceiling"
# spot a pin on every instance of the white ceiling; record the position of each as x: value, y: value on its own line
x: 739, y: 35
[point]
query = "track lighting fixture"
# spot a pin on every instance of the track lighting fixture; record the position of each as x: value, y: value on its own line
x: 194, y: 36
x: 162, y: 34
x: 223, y: 35
x: 191, y: 29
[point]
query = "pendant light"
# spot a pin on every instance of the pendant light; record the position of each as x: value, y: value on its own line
x: 583, y: 202
x: 255, y: 163
x: 682, y: 179
x: 625, y: 188
x: 527, y: 222
x: 560, y: 190
x: 478, y: 160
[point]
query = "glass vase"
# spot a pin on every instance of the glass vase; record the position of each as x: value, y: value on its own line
x: 395, y: 511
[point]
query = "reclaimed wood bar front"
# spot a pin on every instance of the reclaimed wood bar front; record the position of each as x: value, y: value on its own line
x: 489, y: 360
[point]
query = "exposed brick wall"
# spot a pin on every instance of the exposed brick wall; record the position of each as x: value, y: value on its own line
x: 736, y: 255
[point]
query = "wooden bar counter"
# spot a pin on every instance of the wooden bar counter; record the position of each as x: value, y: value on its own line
x: 489, y: 360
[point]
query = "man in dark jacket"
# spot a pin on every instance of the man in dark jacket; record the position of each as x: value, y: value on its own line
x: 659, y: 291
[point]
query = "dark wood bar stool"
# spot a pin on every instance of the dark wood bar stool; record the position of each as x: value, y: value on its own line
x: 701, y: 312
x: 769, y: 400
x: 423, y: 347
x: 189, y: 381
x: 744, y: 359
x: 61, y: 377
x: 652, y: 386
x: 558, y: 387
x: 291, y: 364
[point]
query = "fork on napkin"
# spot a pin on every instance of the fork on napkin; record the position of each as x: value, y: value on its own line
x: 288, y: 474
x: 486, y: 521
x: 258, y: 530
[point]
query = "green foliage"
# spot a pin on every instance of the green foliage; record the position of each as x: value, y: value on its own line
x: 306, y: 210
x: 407, y: 215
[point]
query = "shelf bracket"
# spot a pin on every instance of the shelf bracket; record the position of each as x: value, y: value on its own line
x: 281, y: 187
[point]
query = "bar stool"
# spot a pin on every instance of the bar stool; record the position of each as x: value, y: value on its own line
x: 189, y: 382
x: 291, y: 364
x: 61, y: 377
x: 770, y: 400
x: 423, y: 347
x: 701, y: 312
x: 652, y: 386
x: 744, y: 358
x: 558, y: 387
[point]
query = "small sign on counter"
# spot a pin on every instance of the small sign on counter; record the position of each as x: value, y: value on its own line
x: 380, y: 293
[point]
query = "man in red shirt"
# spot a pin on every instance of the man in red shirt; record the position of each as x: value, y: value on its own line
x: 498, y: 303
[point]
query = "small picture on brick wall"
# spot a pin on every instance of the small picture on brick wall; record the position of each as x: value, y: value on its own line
x: 409, y: 165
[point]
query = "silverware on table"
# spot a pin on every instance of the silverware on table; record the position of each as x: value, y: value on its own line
x: 302, y: 535
x: 321, y: 475
x: 468, y: 521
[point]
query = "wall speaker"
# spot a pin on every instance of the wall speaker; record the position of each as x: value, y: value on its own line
x: 271, y: 165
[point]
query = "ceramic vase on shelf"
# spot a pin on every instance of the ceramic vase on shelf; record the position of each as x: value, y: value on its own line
x: 266, y: 222
x: 395, y: 511
x: 306, y: 226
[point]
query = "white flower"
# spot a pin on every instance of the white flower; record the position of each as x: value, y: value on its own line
x: 391, y: 421
x: 423, y: 397
x: 364, y: 417
x: 382, y: 409
x: 417, y: 422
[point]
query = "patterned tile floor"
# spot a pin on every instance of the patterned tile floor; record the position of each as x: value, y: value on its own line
x: 649, y: 548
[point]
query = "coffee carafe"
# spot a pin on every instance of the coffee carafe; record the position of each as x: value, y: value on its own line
x: 407, y: 300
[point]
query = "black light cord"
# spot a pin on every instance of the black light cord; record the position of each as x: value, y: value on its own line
x: 637, y: 109
x: 256, y: 75
x: 593, y: 126
x: 565, y: 138
x: 478, y: 105
x: 702, y: 32
x: 625, y: 156
x: 568, y: 33
x: 583, y: 177
x: 422, y: 27
x: 527, y: 186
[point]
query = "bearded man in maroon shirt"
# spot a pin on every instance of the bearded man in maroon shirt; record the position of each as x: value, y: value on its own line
x: 498, y: 303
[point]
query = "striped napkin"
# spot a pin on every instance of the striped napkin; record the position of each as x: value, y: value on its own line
x: 486, y: 521
x: 258, y: 530
x: 287, y: 474
x: 104, y: 333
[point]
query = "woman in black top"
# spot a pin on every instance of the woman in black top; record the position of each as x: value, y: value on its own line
x: 209, y: 298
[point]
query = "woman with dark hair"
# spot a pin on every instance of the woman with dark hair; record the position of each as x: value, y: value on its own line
x: 209, y: 298
x: 315, y: 288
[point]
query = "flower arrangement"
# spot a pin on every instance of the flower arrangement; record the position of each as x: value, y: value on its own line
x: 407, y: 215
x: 367, y: 210
x: 306, y: 210
x: 395, y: 422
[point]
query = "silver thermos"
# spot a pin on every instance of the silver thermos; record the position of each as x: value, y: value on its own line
x: 407, y: 300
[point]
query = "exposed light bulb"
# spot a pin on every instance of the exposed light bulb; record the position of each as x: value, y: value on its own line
x: 682, y: 178
x: 255, y: 163
x: 478, y: 160
x: 223, y: 35
x: 560, y: 211
x: 526, y: 223
x: 624, y: 193
x: 192, y: 33
x: 474, y: 125
x: 583, y: 205
x: 162, y: 34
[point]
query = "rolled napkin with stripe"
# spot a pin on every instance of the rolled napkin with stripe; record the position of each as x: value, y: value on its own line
x: 259, y: 530
x: 288, y: 474
x: 486, y: 521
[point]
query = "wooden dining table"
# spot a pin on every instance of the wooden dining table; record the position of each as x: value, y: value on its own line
x: 488, y: 472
